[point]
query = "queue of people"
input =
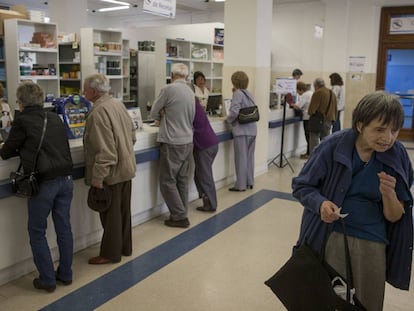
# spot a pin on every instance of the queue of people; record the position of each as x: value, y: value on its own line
x: 328, y: 103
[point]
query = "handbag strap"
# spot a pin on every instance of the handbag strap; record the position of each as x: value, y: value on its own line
x: 349, y: 275
x: 40, y: 145
x: 348, y: 265
x: 248, y: 97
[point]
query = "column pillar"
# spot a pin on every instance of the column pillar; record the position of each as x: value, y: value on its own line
x: 247, y: 44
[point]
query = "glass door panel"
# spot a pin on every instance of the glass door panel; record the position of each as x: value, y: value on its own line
x: 399, y: 80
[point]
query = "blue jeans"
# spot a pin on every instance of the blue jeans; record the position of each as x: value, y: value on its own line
x: 54, y: 196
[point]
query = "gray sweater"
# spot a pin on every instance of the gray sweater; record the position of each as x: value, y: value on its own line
x: 178, y: 103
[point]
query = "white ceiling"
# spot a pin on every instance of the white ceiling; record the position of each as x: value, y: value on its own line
x: 183, y: 6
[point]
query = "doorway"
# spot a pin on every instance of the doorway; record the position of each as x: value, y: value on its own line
x: 396, y: 61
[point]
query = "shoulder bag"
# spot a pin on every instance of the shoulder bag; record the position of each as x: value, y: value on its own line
x: 316, y: 121
x: 26, y: 185
x: 248, y: 114
x: 307, y: 282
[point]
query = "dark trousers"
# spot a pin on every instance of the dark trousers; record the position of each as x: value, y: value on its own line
x: 203, y: 174
x: 306, y: 130
x: 116, y: 223
x: 336, y: 126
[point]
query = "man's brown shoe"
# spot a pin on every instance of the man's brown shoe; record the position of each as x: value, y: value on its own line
x: 98, y: 260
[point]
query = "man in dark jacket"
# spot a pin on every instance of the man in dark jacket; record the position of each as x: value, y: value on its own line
x: 53, y: 164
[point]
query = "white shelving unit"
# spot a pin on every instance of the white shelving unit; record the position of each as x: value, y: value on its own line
x: 126, y: 63
x: 101, y: 52
x: 204, y: 57
x: 70, y: 68
x: 32, y: 54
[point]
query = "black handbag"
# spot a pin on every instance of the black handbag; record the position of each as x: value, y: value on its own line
x: 307, y: 282
x: 26, y: 185
x: 315, y: 123
x: 248, y: 114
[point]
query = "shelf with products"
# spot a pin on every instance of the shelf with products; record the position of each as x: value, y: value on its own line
x: 133, y: 75
x: 125, y: 71
x: 204, y: 57
x: 101, y: 52
x: 3, y: 78
x: 32, y: 54
x: 70, y: 68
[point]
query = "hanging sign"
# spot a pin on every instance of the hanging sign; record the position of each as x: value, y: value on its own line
x: 285, y: 86
x: 164, y: 8
x: 402, y: 24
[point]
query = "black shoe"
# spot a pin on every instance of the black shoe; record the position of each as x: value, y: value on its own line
x: 38, y: 284
x: 249, y: 186
x: 62, y: 281
x: 205, y: 209
x: 182, y: 223
x: 235, y: 189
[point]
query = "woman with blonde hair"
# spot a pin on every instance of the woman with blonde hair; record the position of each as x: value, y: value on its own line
x: 244, y: 135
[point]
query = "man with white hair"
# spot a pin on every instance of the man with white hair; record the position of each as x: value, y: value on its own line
x: 174, y: 112
x: 108, y: 142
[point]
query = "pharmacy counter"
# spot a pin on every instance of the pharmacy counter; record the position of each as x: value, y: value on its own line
x: 147, y: 202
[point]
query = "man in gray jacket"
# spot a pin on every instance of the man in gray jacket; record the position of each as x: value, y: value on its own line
x: 174, y: 112
x: 110, y: 162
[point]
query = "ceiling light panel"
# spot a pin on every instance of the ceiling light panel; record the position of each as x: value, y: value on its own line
x: 117, y: 2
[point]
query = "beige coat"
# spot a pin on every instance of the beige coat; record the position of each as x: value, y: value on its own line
x: 108, y: 141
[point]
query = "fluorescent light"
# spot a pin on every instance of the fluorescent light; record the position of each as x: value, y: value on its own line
x: 116, y: 2
x: 114, y: 8
x: 214, y: 0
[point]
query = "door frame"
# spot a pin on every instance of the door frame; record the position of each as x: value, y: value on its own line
x: 393, y: 41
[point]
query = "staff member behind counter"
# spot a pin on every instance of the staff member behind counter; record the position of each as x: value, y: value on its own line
x: 200, y: 90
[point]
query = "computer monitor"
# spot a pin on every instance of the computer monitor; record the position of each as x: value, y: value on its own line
x: 214, y: 104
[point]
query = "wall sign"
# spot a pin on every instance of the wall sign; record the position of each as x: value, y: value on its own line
x: 357, y: 63
x: 402, y: 24
x: 164, y: 8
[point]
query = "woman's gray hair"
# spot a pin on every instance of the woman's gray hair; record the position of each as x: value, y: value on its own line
x: 98, y: 82
x: 29, y: 93
x: 179, y: 69
x: 379, y: 105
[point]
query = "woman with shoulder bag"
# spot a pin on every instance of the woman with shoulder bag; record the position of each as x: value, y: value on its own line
x: 53, y: 173
x: 244, y: 135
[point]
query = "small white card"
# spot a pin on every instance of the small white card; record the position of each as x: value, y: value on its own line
x: 135, y: 114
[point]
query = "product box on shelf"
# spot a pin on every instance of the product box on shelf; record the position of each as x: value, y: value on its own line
x: 7, y: 14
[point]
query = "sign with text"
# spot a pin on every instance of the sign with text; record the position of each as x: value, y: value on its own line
x: 357, y: 63
x: 164, y: 8
x: 402, y: 24
x: 285, y: 86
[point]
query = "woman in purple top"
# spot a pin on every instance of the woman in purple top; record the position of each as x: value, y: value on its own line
x: 205, y: 151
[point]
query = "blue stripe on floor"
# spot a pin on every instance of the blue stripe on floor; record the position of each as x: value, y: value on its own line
x: 113, y: 283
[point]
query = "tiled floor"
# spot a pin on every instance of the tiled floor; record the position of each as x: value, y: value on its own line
x: 219, y: 263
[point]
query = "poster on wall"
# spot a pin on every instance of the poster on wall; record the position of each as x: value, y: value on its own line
x: 164, y: 8
x: 357, y: 63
